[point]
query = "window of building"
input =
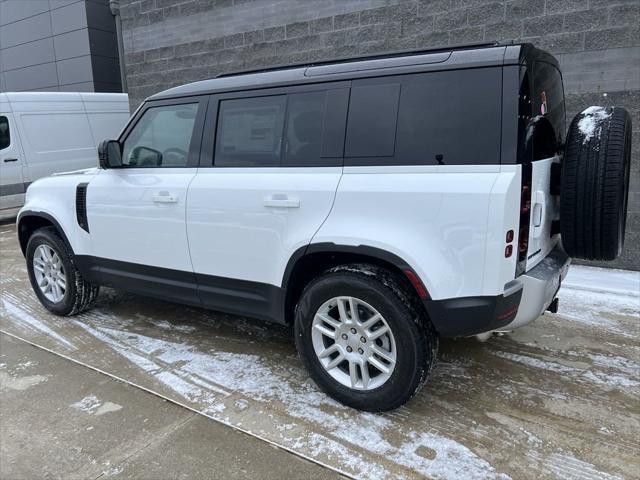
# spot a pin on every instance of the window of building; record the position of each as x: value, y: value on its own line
x: 161, y: 138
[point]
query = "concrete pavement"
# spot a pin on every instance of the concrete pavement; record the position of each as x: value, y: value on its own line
x: 62, y: 420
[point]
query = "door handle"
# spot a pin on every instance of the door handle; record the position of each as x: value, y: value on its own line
x: 281, y: 201
x: 7, y: 160
x: 164, y: 197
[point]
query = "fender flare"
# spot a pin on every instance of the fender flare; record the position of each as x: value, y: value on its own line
x: 32, y: 213
x: 329, y: 247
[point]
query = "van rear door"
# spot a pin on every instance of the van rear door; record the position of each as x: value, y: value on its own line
x: 543, y: 140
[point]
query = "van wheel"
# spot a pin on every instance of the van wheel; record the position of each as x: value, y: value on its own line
x: 54, y: 277
x: 361, y: 337
x: 595, y: 183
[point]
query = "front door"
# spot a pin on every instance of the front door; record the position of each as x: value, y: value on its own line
x: 136, y: 213
x: 278, y: 162
x: 12, y: 187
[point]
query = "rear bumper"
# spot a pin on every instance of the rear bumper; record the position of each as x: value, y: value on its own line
x: 524, y: 299
x: 540, y: 286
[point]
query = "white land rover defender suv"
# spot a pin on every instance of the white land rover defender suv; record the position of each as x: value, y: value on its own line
x: 375, y: 204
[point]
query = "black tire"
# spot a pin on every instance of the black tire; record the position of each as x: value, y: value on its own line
x: 595, y: 185
x: 79, y: 294
x: 416, y: 339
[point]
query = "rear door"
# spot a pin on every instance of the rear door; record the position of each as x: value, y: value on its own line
x: 271, y: 164
x: 12, y: 186
x: 545, y: 134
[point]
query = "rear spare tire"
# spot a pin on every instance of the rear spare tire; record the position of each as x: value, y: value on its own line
x: 595, y: 183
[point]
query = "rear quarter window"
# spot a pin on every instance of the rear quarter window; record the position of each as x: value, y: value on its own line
x: 448, y: 118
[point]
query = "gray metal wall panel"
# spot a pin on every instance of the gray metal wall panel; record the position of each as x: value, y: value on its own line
x: 75, y: 70
x: 27, y: 30
x: 69, y: 18
x: 72, y: 44
x: 31, y: 78
x: 32, y: 53
x: 42, y: 39
x: 14, y: 10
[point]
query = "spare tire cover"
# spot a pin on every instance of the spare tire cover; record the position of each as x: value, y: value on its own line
x: 595, y: 183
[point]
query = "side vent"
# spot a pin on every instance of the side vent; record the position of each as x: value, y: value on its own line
x: 81, y: 206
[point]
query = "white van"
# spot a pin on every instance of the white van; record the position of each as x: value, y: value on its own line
x: 49, y: 132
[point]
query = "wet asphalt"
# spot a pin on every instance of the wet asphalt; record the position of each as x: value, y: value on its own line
x: 559, y: 398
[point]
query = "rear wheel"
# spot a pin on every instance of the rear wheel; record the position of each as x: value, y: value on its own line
x: 595, y: 183
x: 54, y: 277
x: 360, y: 334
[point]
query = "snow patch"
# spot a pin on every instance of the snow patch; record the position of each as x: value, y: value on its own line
x: 20, y: 383
x: 88, y: 404
x: 197, y: 376
x: 603, y: 280
x: 600, y: 378
x: 591, y: 124
x: 21, y: 316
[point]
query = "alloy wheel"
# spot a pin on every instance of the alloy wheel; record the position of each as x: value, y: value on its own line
x: 354, y: 343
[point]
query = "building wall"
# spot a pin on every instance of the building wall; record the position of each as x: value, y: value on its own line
x: 170, y: 42
x: 58, y: 45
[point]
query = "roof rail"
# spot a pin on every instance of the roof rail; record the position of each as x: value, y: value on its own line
x: 377, y: 56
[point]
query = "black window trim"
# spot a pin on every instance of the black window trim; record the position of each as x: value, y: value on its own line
x: 207, y: 153
x: 196, y: 136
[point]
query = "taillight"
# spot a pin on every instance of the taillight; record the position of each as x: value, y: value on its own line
x: 523, y: 233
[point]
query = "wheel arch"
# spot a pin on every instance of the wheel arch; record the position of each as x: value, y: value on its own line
x: 30, y: 221
x: 308, y: 262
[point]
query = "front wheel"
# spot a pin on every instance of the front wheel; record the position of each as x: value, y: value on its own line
x: 54, y: 277
x: 362, y: 338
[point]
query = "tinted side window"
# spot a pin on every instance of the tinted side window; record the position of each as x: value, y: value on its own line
x: 449, y: 118
x: 5, y: 138
x: 305, y: 120
x: 161, y: 138
x: 371, y: 127
x: 249, y: 132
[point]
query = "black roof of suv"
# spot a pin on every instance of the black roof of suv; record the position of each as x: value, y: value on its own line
x: 389, y: 63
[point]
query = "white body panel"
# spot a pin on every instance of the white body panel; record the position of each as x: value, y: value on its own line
x: 544, y: 209
x: 245, y: 223
x: 55, y: 196
x: 138, y: 215
x: 58, y: 131
x: 435, y: 218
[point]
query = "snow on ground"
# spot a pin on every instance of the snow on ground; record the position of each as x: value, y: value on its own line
x: 34, y: 323
x: 452, y: 433
x: 599, y: 297
x: 250, y: 375
x: 593, y: 279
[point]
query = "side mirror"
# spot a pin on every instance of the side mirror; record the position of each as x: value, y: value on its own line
x: 142, y: 156
x: 109, y: 154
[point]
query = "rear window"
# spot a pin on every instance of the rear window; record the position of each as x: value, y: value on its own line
x: 5, y: 139
x: 548, y: 97
x: 447, y: 118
